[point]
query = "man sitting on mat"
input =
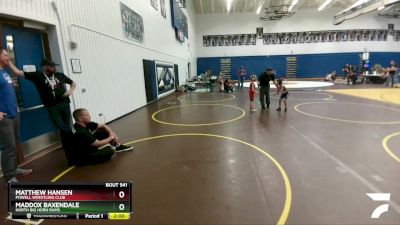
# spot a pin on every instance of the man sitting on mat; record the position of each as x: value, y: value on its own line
x: 94, y: 143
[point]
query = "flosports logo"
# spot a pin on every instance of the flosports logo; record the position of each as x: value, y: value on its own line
x: 380, y: 197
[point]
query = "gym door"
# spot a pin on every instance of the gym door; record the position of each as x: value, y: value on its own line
x: 25, y: 47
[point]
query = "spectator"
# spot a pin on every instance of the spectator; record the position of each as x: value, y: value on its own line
x: 94, y: 143
x: 51, y: 87
x: 220, y: 82
x: 346, y: 70
x: 228, y: 86
x: 241, y: 77
x: 351, y: 74
x: 213, y: 81
x: 331, y: 77
x: 392, y: 71
x: 9, y: 121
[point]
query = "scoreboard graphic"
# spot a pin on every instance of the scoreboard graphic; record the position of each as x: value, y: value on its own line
x: 109, y: 200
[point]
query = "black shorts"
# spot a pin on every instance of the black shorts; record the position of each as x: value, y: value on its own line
x: 284, y: 95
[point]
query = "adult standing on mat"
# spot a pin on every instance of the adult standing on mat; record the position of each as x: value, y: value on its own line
x: 242, y: 77
x: 9, y: 121
x: 392, y: 71
x: 263, y: 82
x: 55, y: 97
x: 346, y: 73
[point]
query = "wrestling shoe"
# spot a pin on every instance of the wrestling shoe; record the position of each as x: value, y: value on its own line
x: 123, y: 148
x: 21, y: 171
x: 12, y: 180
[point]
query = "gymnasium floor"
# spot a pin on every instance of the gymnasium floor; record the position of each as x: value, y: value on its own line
x: 205, y: 159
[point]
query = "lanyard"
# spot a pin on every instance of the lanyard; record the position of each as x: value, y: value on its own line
x: 52, y: 81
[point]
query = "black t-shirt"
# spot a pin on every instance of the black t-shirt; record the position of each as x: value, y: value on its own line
x: 50, y: 95
x: 392, y: 71
x: 265, y: 79
x: 84, y: 138
x: 345, y: 70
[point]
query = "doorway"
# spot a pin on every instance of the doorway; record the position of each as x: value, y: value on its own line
x: 27, y: 47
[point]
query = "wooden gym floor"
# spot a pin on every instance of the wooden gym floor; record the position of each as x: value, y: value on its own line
x: 205, y: 159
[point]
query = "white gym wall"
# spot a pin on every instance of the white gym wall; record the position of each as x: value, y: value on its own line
x: 302, y: 20
x: 112, y: 68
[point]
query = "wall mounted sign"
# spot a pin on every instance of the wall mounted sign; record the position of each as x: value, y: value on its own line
x: 76, y: 66
x: 132, y: 24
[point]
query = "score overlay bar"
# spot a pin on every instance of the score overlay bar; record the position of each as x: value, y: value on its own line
x: 108, y: 200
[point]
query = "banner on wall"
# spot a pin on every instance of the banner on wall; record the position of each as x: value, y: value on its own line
x: 259, y: 32
x: 229, y: 40
x: 179, y: 20
x: 391, y: 28
x: 132, y: 24
x: 163, y: 9
x: 154, y: 3
x: 165, y: 78
x: 397, y: 36
x: 297, y: 37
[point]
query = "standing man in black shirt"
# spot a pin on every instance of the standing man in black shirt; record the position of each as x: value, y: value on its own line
x: 55, y: 97
x: 263, y: 82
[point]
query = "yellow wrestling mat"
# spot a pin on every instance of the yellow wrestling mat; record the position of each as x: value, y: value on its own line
x: 388, y: 95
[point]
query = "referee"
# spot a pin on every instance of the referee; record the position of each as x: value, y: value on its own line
x: 263, y: 82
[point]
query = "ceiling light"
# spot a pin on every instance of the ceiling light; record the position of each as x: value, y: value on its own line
x: 294, y: 2
x: 259, y: 9
x: 362, y: 7
x: 327, y: 2
x: 357, y: 3
x: 228, y: 5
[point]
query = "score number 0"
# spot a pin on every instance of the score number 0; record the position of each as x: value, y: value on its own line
x: 121, y: 194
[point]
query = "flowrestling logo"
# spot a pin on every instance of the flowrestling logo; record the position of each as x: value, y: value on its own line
x: 380, y: 197
x: 7, y: 78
